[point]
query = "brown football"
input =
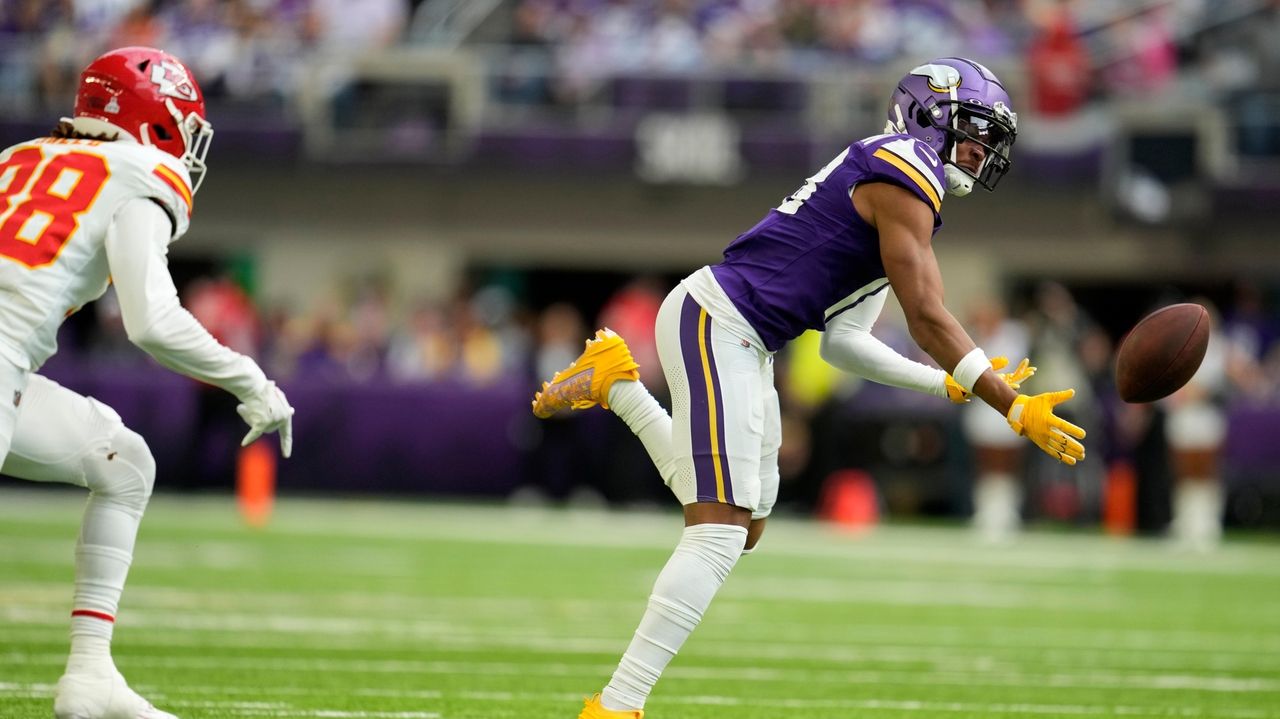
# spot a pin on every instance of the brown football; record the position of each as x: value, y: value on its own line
x: 1162, y: 352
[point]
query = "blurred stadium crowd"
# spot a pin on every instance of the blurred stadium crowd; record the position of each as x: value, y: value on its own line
x: 256, y: 49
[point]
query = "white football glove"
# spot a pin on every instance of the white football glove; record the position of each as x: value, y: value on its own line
x: 268, y: 411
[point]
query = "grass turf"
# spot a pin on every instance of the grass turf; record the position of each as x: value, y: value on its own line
x: 413, y: 610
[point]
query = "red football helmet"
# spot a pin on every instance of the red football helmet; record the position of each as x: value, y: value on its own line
x: 150, y: 95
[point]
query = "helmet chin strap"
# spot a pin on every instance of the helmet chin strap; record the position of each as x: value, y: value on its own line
x: 959, y: 182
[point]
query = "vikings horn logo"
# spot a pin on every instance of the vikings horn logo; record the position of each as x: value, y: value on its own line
x: 942, y: 78
x: 173, y: 81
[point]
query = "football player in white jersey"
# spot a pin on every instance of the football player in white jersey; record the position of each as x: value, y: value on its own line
x: 98, y: 202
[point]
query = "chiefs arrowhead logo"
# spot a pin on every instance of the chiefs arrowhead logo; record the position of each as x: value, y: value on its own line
x: 173, y: 81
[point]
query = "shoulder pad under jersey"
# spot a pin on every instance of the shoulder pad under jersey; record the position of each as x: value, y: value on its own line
x: 906, y: 161
x: 160, y: 177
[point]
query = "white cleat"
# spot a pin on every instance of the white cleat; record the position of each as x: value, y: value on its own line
x: 93, y: 696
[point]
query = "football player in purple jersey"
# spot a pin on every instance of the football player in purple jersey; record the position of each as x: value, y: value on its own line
x: 822, y: 260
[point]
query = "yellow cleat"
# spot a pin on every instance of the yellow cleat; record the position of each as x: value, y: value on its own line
x: 593, y: 710
x: 586, y: 382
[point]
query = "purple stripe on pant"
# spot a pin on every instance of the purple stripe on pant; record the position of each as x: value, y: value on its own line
x: 700, y: 409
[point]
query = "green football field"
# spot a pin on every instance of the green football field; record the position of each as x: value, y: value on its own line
x: 415, y: 610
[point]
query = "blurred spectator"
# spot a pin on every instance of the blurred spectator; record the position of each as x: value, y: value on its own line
x: 998, y: 453
x: 109, y: 345
x: 63, y: 52
x: 1248, y: 324
x: 559, y: 339
x: 1097, y: 354
x: 562, y: 459
x: 1250, y: 334
x: 1058, y: 67
x: 227, y: 311
x: 632, y: 312
x: 499, y: 311
x: 139, y: 26
x: 355, y: 25
x: 1144, y: 57
x: 479, y: 350
x: 1058, y: 327
x: 525, y: 75
x: 338, y: 31
x: 421, y: 350
x: 201, y: 34
x: 370, y: 321
x: 673, y: 42
x: 22, y: 22
x: 1240, y: 59
x: 1195, y: 430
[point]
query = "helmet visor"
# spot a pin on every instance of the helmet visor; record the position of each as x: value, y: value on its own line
x: 994, y: 134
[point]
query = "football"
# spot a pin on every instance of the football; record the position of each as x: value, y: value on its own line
x: 1162, y: 352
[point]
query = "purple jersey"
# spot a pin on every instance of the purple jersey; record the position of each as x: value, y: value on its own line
x: 802, y: 264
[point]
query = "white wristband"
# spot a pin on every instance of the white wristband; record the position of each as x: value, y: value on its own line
x: 970, y: 368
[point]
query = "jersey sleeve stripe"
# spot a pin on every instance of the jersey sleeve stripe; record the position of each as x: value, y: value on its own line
x: 913, y: 174
x: 856, y: 299
x: 917, y: 162
x: 172, y: 179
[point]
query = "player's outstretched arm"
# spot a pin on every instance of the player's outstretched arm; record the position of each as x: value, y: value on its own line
x: 847, y: 344
x: 154, y: 319
x: 905, y: 227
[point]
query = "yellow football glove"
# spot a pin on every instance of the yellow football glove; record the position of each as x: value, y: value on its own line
x: 1033, y: 418
x: 1014, y: 379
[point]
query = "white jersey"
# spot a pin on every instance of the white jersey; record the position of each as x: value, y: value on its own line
x: 58, y: 201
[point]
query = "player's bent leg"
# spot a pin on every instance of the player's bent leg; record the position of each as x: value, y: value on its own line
x: 62, y: 436
x: 709, y: 547
x: 606, y: 374
x: 647, y: 420
x: 717, y: 425
x: 754, y: 531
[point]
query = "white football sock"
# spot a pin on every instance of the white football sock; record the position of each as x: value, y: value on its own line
x: 103, y: 554
x: 647, y: 419
x: 1197, y: 513
x: 685, y: 587
x: 997, y: 498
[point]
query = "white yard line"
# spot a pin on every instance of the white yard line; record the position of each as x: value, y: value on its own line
x: 246, y: 708
x: 255, y: 631
x: 41, y: 604
x: 154, y: 691
x: 974, y: 708
x: 278, y: 709
x: 561, y: 646
x: 686, y: 672
x: 334, y: 714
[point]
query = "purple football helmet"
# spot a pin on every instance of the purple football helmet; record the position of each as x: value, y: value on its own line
x: 949, y: 100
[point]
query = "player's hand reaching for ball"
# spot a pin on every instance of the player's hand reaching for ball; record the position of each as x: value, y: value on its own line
x: 1032, y: 417
x: 268, y: 411
x: 1014, y: 379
